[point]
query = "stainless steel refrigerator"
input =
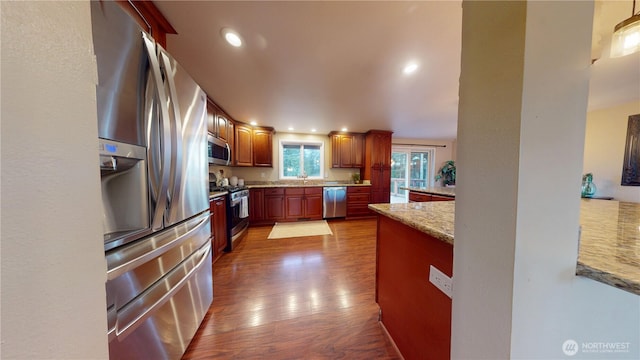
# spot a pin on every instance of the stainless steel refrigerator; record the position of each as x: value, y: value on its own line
x: 154, y: 178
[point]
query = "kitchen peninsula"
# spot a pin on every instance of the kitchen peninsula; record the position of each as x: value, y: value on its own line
x: 412, y: 237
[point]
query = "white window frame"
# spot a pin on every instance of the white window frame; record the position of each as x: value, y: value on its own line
x: 300, y: 143
x: 408, y: 149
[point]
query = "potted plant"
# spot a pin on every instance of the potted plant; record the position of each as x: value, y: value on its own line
x: 356, y: 178
x: 447, y: 173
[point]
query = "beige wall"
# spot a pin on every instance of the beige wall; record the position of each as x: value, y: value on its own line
x: 271, y: 174
x: 604, y: 150
x: 331, y: 174
x: 53, y: 265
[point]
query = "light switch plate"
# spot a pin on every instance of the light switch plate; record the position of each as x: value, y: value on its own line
x: 440, y: 280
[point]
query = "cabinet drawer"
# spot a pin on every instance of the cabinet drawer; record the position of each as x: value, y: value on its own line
x: 418, y: 197
x: 358, y: 210
x: 441, y: 198
x: 313, y: 191
x: 273, y: 191
x: 294, y: 191
x: 358, y: 190
x: 352, y: 198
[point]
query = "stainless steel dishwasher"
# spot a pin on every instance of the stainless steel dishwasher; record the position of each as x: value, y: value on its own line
x: 334, y: 202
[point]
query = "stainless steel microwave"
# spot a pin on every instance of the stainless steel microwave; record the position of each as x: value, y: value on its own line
x: 219, y: 151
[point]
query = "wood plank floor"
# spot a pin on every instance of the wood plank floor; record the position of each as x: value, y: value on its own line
x: 296, y: 298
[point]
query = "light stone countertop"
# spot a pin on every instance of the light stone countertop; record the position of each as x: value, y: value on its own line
x: 434, y: 218
x: 609, y: 245
x: 216, y: 194
x: 434, y: 190
x: 300, y: 184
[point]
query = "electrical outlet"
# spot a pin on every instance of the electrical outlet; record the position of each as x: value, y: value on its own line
x: 440, y: 280
x: 262, y: 175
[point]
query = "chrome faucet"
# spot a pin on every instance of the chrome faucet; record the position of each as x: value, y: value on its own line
x: 304, y: 177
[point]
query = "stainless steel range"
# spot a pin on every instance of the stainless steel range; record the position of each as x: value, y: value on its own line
x: 237, y: 213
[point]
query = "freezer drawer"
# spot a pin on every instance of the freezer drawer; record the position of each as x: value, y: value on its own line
x: 167, y: 315
x: 334, y: 202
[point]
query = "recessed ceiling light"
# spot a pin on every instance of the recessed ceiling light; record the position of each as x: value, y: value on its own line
x: 232, y: 37
x: 410, y: 68
x: 290, y: 128
x: 344, y: 129
x: 313, y: 130
x: 253, y: 122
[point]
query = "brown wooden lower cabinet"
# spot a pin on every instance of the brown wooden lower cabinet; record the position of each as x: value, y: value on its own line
x: 415, y: 196
x: 218, y: 209
x: 274, y: 204
x: 416, y: 314
x: 256, y: 206
x: 304, y: 203
x: 441, y: 198
x: 270, y: 205
x: 358, y: 201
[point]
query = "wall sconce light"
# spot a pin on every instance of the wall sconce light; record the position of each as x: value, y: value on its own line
x: 626, y: 35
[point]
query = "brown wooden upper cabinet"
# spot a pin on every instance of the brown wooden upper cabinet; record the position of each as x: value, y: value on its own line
x: 253, y: 145
x: 377, y: 164
x: 218, y: 122
x: 347, y: 150
x: 147, y: 15
x: 263, y: 147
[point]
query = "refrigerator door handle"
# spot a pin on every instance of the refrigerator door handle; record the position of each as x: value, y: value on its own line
x: 137, y: 259
x: 136, y: 312
x: 175, y: 183
x: 162, y: 186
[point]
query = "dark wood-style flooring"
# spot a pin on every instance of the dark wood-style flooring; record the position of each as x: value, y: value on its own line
x: 296, y: 298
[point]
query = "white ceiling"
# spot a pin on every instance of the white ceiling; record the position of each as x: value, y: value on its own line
x: 328, y: 65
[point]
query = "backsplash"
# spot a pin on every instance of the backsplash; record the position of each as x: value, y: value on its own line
x: 262, y: 175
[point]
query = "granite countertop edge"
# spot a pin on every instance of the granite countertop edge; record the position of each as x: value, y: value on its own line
x: 607, y: 278
x: 215, y: 194
x: 421, y: 218
x: 442, y: 191
x: 425, y: 228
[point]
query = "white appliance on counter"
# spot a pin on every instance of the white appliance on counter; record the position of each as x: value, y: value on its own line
x: 154, y: 174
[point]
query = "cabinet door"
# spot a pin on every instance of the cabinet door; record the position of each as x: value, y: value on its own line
x: 256, y: 205
x: 346, y: 151
x: 335, y: 151
x: 381, y: 153
x: 243, y: 145
x: 294, y: 203
x: 357, y: 150
x: 212, y: 209
x: 380, y: 185
x: 220, y: 224
x: 211, y: 115
x: 294, y: 207
x: 262, y: 147
x: 274, y: 207
x: 313, y: 206
x: 222, y: 127
x: 313, y: 202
